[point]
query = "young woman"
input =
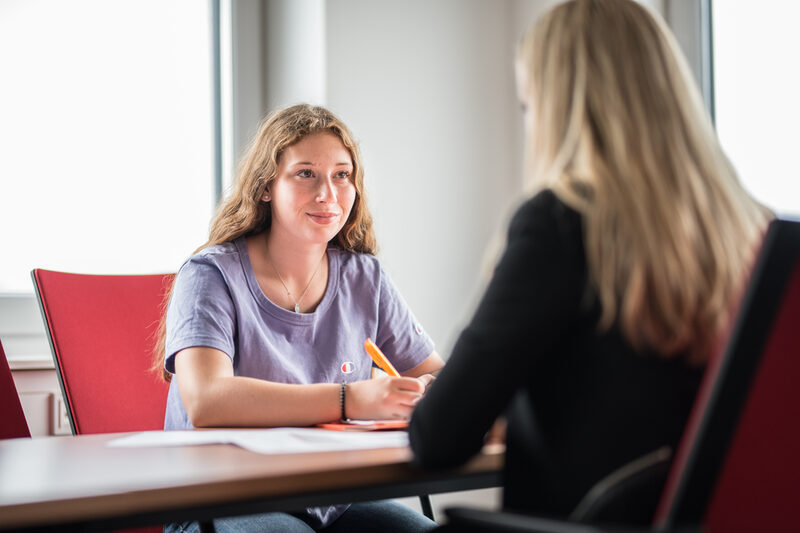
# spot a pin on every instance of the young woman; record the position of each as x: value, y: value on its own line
x: 266, y: 322
x: 619, y: 272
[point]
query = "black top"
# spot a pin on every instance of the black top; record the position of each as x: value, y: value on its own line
x: 584, y: 402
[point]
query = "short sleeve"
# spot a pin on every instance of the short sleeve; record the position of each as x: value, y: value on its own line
x: 400, y: 335
x: 200, y: 311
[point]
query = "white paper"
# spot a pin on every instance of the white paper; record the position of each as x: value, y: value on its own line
x: 271, y: 441
x: 173, y: 438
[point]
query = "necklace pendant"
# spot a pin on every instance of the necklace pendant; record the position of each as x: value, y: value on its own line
x: 296, y: 308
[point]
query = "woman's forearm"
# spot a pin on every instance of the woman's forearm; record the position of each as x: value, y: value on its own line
x: 248, y: 402
x: 214, y: 397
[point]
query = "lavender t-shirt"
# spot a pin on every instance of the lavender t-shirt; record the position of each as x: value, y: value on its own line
x: 217, y: 302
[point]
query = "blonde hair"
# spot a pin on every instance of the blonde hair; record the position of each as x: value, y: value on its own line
x: 620, y: 134
x: 244, y: 213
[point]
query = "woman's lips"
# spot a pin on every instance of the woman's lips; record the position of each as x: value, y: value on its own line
x: 324, y: 218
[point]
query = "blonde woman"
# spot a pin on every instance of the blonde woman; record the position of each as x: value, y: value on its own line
x: 619, y: 272
x: 266, y: 323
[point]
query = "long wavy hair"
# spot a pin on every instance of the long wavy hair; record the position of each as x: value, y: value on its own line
x: 619, y: 132
x: 244, y: 213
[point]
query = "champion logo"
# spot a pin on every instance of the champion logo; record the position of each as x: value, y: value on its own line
x: 418, y: 329
x: 348, y: 367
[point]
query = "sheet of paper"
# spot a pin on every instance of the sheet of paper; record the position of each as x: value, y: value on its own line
x: 173, y: 438
x: 300, y: 440
x: 270, y: 441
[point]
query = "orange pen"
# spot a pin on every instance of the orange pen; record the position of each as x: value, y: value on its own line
x: 380, y: 359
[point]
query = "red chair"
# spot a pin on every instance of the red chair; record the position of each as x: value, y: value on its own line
x: 737, y: 467
x: 102, y: 331
x: 12, y: 424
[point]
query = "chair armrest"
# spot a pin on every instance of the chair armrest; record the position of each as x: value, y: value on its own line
x: 629, y: 494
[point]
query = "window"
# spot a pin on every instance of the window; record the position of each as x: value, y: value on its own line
x: 756, y: 84
x: 106, y: 134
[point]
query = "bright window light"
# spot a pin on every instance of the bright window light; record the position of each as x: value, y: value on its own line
x: 757, y: 83
x: 106, y: 133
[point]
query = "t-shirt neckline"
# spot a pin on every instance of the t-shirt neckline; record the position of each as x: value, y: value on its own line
x: 277, y: 311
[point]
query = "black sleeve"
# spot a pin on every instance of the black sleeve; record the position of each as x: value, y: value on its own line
x: 534, y: 293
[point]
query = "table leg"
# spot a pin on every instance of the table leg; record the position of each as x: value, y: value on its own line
x: 427, y: 508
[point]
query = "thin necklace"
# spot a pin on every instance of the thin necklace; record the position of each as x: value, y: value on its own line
x: 296, y: 302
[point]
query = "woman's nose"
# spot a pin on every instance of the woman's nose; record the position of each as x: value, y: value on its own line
x: 326, y: 192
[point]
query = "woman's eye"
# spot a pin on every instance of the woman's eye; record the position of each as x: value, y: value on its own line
x: 343, y: 175
x: 305, y: 173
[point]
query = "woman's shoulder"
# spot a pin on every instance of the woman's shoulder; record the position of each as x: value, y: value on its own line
x: 356, y: 263
x: 544, y: 220
x: 545, y: 210
x: 216, y: 251
x: 217, y: 256
x: 546, y: 205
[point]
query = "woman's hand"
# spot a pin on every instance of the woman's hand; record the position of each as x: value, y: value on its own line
x: 383, y: 398
x: 497, y: 433
x: 427, y: 380
x: 427, y: 370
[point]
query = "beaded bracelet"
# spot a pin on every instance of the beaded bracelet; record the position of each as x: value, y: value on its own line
x: 342, y: 391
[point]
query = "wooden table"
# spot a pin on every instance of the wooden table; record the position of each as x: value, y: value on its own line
x: 79, y: 483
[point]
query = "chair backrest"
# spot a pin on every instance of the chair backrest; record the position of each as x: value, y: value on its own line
x: 102, y: 330
x: 12, y: 423
x: 738, y: 468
